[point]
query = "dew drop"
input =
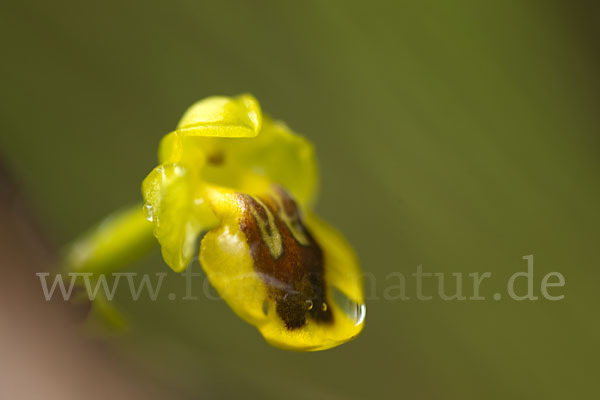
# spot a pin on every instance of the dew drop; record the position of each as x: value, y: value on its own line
x: 324, y: 306
x: 149, y: 212
x: 353, y: 310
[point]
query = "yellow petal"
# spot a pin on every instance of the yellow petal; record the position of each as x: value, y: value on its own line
x: 276, y: 155
x: 234, y: 117
x: 178, y: 215
x: 282, y: 274
x: 217, y: 116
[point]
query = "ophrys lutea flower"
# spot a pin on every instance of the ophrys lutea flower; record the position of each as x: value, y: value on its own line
x: 247, y: 183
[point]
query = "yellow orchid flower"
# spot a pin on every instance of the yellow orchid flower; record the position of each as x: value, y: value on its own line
x: 248, y: 183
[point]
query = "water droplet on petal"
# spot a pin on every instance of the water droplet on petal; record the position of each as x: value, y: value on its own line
x: 149, y: 212
x: 353, y: 310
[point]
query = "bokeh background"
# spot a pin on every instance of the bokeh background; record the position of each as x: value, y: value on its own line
x: 460, y: 136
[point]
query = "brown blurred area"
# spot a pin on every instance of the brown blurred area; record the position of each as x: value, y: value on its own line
x: 42, y: 353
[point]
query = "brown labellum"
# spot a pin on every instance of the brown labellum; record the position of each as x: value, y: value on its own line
x: 288, y: 259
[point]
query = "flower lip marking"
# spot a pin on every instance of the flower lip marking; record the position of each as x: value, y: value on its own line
x: 269, y: 232
x: 295, y: 274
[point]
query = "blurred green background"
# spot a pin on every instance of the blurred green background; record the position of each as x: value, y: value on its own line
x: 460, y: 136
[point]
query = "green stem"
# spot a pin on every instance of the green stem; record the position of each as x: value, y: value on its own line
x: 117, y: 241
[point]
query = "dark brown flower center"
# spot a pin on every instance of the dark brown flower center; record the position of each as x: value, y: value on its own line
x: 288, y: 259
